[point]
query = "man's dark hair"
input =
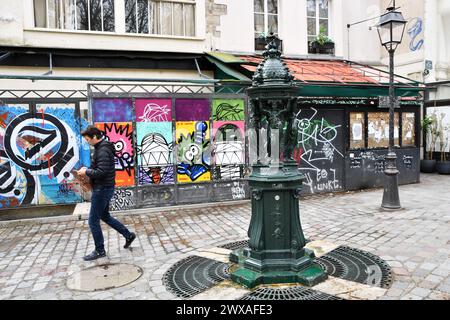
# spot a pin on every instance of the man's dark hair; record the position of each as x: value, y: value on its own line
x: 92, y: 131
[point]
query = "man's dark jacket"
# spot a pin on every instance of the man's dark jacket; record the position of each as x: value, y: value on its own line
x: 102, y: 171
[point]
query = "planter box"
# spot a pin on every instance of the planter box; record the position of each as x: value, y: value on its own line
x: 326, y: 48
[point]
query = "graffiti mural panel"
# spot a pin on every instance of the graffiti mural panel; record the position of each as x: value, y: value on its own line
x: 193, y: 151
x: 228, y: 110
x: 42, y: 148
x: 17, y: 185
x: 192, y: 109
x: 154, y: 150
x: 62, y: 153
x: 228, y: 150
x: 112, y: 110
x: 121, y: 134
x: 320, y: 149
x: 153, y: 110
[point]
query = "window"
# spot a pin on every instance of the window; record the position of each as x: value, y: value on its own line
x: 317, y: 13
x: 408, y: 129
x: 93, y: 15
x: 357, y: 130
x: 378, y: 129
x: 165, y: 17
x: 266, y: 18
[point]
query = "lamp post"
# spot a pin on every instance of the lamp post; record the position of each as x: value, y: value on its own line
x: 391, y: 29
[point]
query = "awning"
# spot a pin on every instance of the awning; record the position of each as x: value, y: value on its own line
x: 221, y: 59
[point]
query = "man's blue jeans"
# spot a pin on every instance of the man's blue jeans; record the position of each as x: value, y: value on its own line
x: 101, y: 196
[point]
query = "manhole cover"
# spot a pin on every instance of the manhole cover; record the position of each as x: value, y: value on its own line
x: 193, y: 275
x: 104, y: 277
x: 356, y: 265
x: 290, y: 293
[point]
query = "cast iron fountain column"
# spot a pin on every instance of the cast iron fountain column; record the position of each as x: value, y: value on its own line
x: 276, y: 252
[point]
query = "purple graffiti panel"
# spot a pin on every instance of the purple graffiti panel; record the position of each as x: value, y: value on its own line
x: 112, y: 110
x: 192, y: 109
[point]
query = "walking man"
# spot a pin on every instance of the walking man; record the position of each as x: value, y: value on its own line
x: 102, y: 174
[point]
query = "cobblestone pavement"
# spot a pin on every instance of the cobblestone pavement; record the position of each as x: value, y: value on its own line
x: 38, y: 256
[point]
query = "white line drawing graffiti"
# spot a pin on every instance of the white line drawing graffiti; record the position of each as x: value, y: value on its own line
x: 314, y: 132
x: 317, y: 139
x: 155, y: 113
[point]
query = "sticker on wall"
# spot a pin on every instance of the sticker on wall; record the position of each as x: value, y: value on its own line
x: 228, y: 109
x: 153, y: 110
x: 121, y: 134
x: 192, y: 109
x: 112, y: 110
x: 193, y: 155
x: 154, y: 150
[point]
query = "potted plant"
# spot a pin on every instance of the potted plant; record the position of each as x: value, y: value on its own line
x: 443, y: 166
x: 429, y: 127
x: 322, y: 44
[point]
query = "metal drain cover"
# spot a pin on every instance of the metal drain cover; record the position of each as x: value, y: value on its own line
x: 193, y: 275
x: 290, y: 293
x: 104, y: 277
x: 235, y: 245
x: 356, y: 265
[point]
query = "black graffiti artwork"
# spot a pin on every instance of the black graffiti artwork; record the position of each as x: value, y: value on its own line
x: 61, y: 154
x: 226, y: 111
x: 6, y: 173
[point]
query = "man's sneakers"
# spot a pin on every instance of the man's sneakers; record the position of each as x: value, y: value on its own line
x: 129, y: 240
x: 94, y: 255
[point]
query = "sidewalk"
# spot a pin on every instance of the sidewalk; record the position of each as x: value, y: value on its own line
x: 37, y: 256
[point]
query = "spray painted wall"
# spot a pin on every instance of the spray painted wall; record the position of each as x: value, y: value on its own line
x: 39, y: 146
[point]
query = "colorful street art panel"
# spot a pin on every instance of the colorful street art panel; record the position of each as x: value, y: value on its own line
x: 193, y: 151
x: 112, y: 110
x: 228, y: 150
x: 153, y: 110
x: 229, y: 137
x: 121, y: 134
x: 154, y: 150
x: 57, y: 132
x: 192, y: 109
x: 39, y: 151
x: 228, y: 110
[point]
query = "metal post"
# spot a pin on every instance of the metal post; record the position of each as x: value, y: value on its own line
x: 391, y: 198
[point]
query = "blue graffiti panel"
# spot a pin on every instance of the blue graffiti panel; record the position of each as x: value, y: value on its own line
x: 17, y: 184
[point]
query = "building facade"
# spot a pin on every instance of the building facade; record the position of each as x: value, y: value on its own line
x: 147, y: 72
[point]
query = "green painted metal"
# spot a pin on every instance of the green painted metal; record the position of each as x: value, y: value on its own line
x: 276, y: 252
x: 226, y: 57
x: 369, y: 91
x: 227, y: 70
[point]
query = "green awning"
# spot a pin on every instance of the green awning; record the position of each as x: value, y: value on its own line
x: 227, y: 70
x: 369, y: 91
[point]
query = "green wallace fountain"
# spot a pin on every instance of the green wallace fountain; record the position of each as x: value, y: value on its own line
x: 276, y: 251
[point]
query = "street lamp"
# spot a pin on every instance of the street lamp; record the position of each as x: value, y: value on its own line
x: 391, y: 29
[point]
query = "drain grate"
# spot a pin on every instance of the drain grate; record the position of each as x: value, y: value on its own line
x: 235, y: 245
x: 241, y: 244
x: 290, y: 293
x: 193, y: 275
x: 356, y: 265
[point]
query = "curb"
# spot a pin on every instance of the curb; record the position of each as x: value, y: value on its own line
x: 77, y: 217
